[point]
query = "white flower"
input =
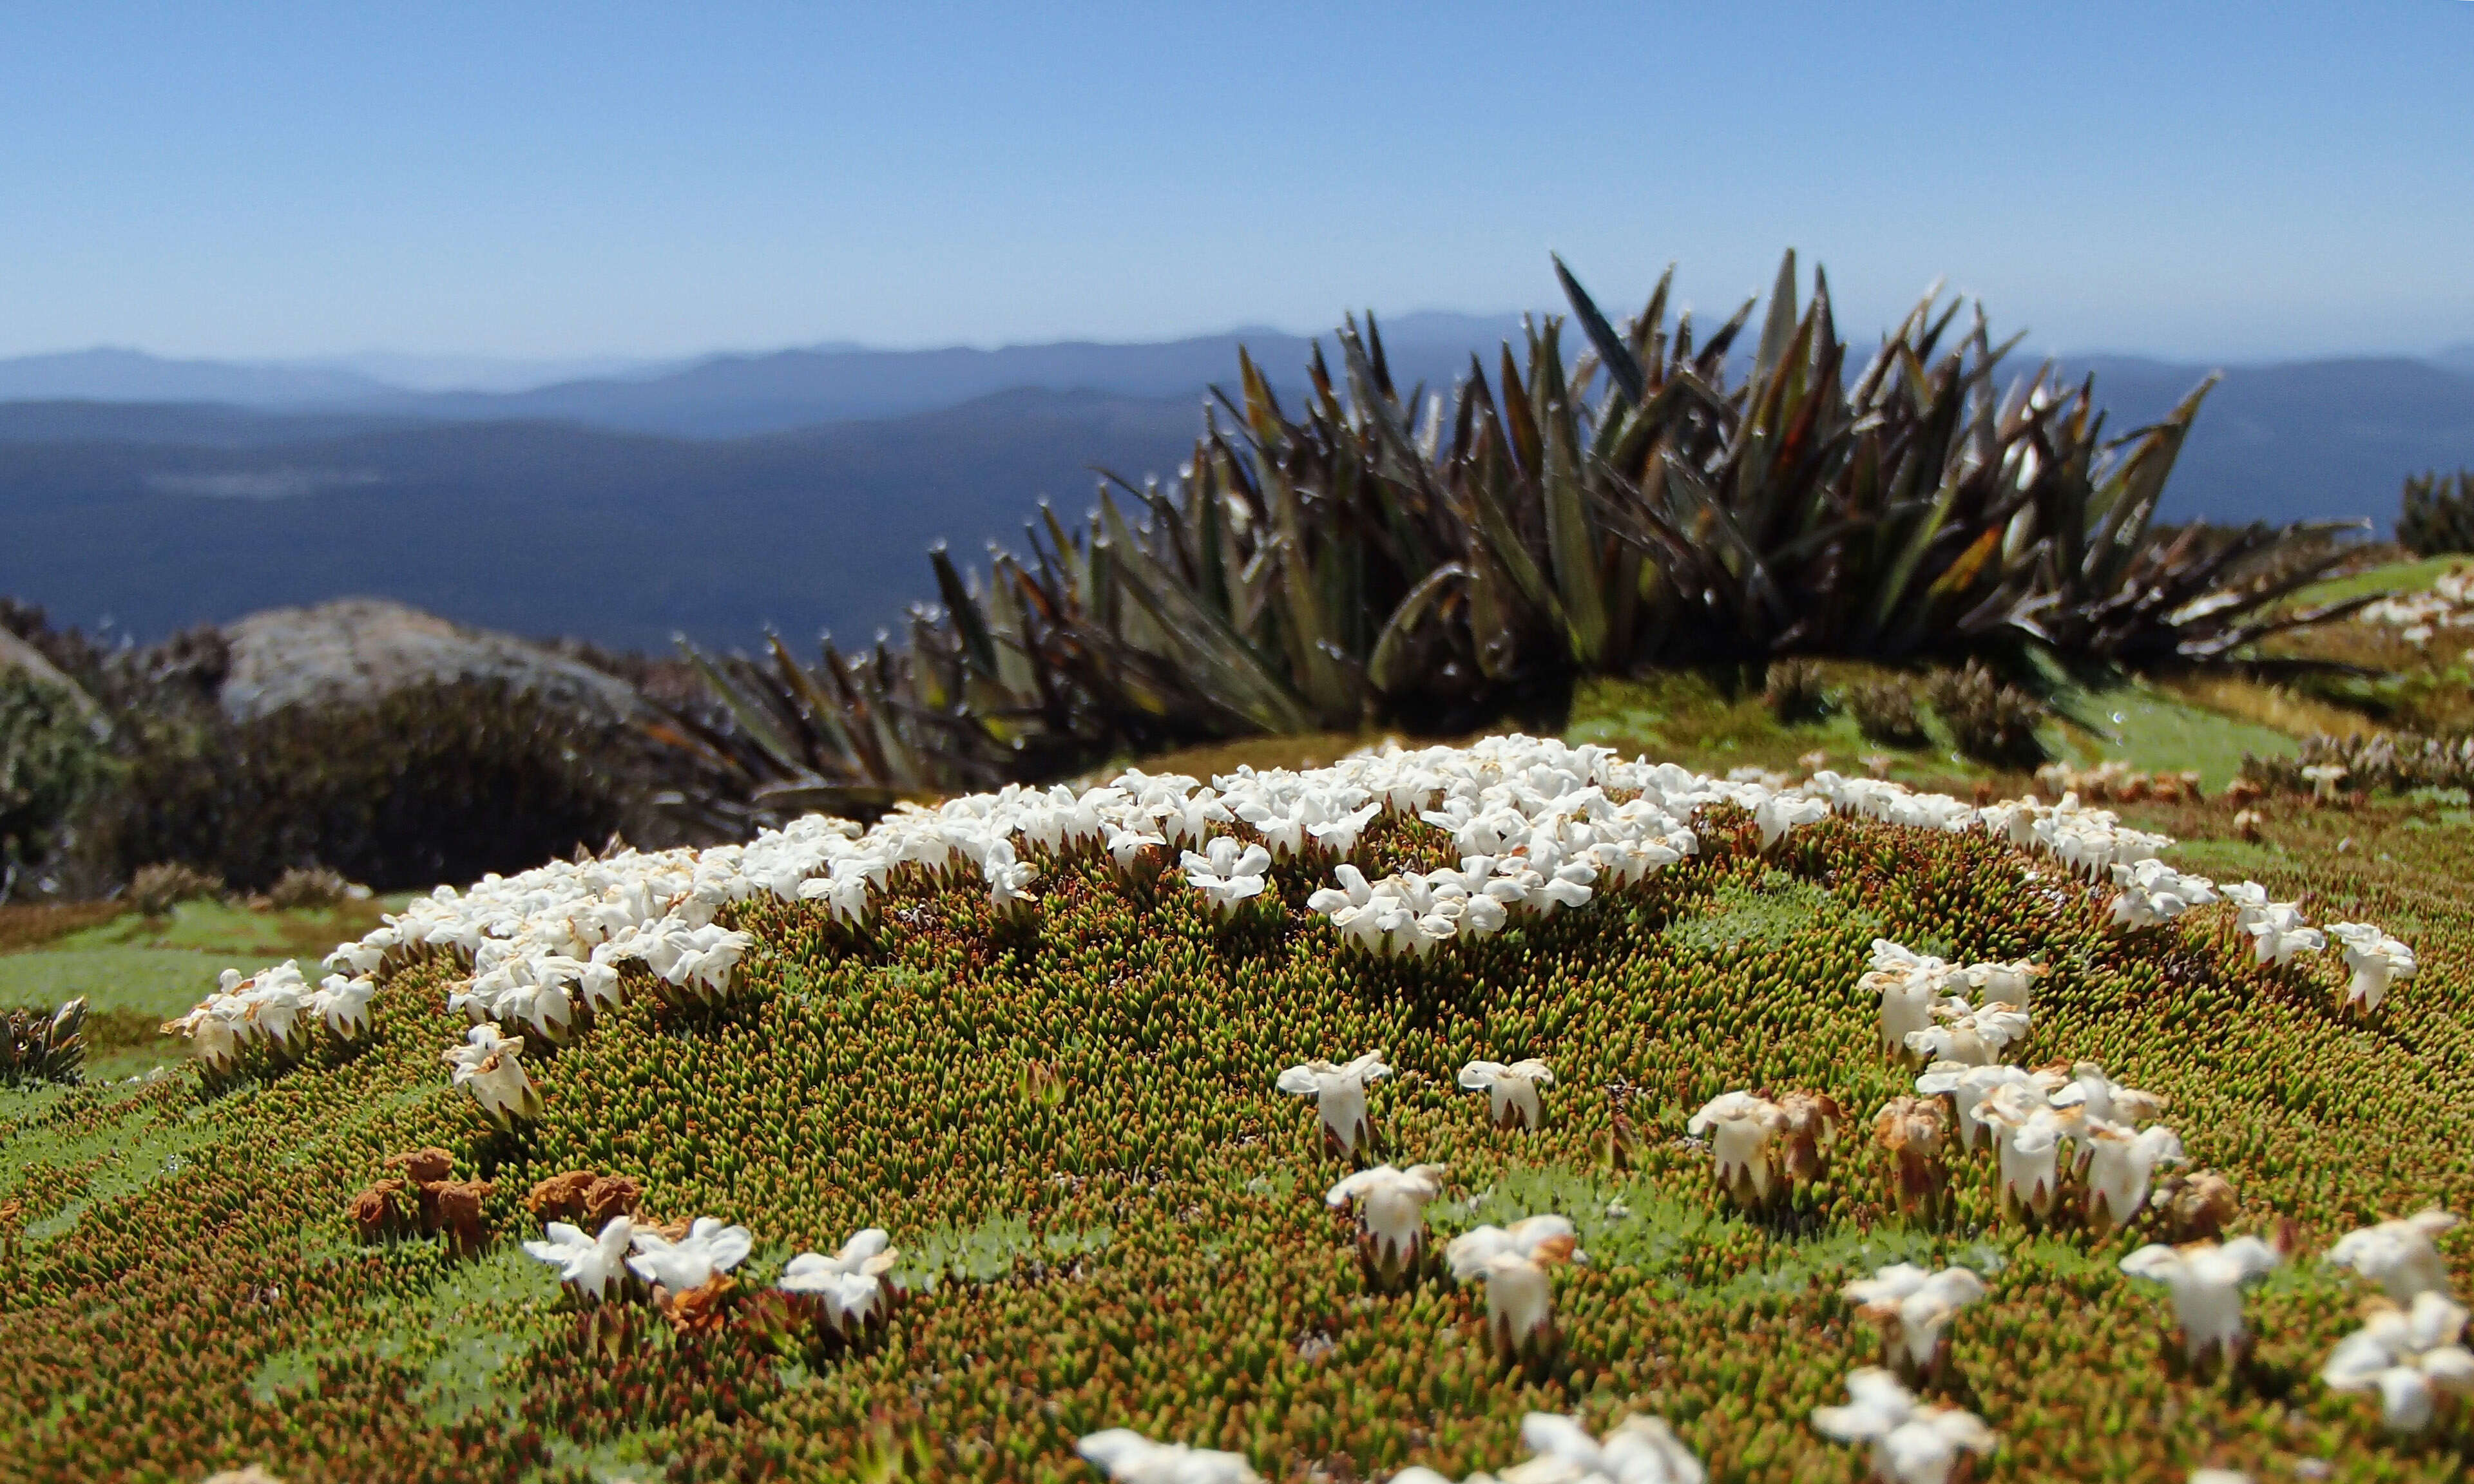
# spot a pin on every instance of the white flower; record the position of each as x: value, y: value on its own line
x: 1636, y: 1450
x: 2398, y: 1255
x: 1008, y: 880
x: 1974, y: 1037
x: 1743, y: 1130
x: 851, y: 1282
x: 1512, y: 1091
x: 1913, y: 1444
x: 2003, y: 984
x: 1780, y: 813
x: 2408, y: 1355
x: 1513, y: 1259
x: 2323, y: 777
x: 1391, y: 1212
x: 1228, y: 873
x: 1128, y: 844
x: 1914, y: 1307
x: 1968, y: 1087
x: 213, y: 1029
x: 2027, y: 1131
x: 2121, y: 1163
x: 2376, y: 959
x: 2206, y: 1280
x: 344, y: 1004
x: 1340, y: 1096
x: 708, y: 1250
x: 2278, y: 933
x: 591, y: 1265
x: 489, y: 1067
x: 2249, y: 899
x: 1340, y: 835
x: 1908, y: 983
x: 1127, y: 1457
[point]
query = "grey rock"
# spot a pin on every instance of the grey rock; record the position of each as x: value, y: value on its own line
x: 356, y: 650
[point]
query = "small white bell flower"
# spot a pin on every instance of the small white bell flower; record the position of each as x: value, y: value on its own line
x: 1912, y: 1443
x: 1512, y: 1091
x: 2206, y: 1280
x: 1339, y: 1097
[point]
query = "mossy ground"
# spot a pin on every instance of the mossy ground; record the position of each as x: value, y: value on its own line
x: 1110, y: 1218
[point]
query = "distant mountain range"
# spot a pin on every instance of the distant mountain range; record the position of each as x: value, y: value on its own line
x: 726, y: 395
x: 800, y: 489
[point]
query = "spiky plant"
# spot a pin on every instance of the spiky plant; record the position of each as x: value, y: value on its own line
x: 42, y: 1045
x: 2438, y: 514
x: 1390, y: 555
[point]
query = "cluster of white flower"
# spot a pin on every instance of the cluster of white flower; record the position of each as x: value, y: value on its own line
x: 1635, y: 1450
x: 848, y: 1288
x: 2206, y: 1280
x: 1917, y: 991
x: 1541, y: 826
x: 2151, y: 892
x: 1764, y: 1146
x: 2377, y: 960
x: 1537, y: 828
x: 277, y: 1006
x: 1913, y: 1308
x: 1913, y: 1442
x: 2031, y: 1117
x: 2088, y: 841
x: 2418, y: 616
x: 2410, y: 1349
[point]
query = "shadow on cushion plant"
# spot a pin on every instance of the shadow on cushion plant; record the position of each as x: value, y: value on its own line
x: 1387, y: 555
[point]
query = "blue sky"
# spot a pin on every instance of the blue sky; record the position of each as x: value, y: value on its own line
x: 2225, y: 181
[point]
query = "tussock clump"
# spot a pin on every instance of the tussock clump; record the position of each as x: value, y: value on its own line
x: 312, y: 887
x: 157, y: 889
x: 1795, y: 691
x: 1886, y: 713
x: 2383, y: 763
x: 1992, y: 721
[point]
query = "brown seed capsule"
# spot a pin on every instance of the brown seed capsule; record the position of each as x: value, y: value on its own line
x: 1915, y: 1133
x: 561, y: 1197
x: 698, y: 1310
x: 421, y: 1165
x: 610, y: 1195
x: 454, y: 1207
x: 2195, y: 1206
x: 1811, y: 1126
x: 375, y: 1211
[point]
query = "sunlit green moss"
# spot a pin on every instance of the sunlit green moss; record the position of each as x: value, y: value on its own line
x: 1071, y: 1122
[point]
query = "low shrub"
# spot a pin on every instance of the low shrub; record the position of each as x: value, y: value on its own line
x: 1886, y: 713
x: 156, y: 890
x: 435, y: 782
x: 1794, y: 692
x: 2438, y: 514
x: 2385, y: 762
x: 311, y: 886
x: 1992, y: 721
